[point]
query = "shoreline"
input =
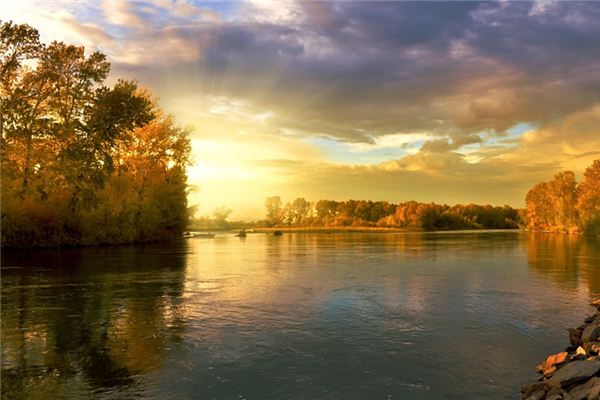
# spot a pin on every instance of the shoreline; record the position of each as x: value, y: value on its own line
x: 573, y: 374
x: 367, y: 229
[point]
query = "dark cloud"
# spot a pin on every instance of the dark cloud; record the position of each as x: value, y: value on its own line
x: 357, y: 70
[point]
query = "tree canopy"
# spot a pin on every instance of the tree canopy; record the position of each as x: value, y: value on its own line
x: 411, y: 215
x: 562, y: 205
x: 83, y: 163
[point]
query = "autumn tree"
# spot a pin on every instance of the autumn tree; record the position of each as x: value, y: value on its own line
x: 275, y: 210
x: 588, y: 201
x: 83, y: 162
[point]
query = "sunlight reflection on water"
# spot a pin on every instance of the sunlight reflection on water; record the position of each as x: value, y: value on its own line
x: 455, y: 315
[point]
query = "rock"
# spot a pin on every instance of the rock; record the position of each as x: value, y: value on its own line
x: 592, y: 348
x: 566, y: 396
x: 590, y: 319
x: 552, y: 362
x: 575, y: 336
x: 539, y: 395
x: 591, y: 333
x: 596, y: 303
x: 574, y: 372
x: 554, y: 397
x: 557, y: 358
x: 548, y: 372
x: 534, y: 390
x: 588, y: 390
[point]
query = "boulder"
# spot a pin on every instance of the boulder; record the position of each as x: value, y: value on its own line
x: 549, y: 366
x: 548, y: 372
x: 592, y: 348
x: 534, y: 391
x: 588, y: 390
x: 574, y: 372
x: 590, y: 334
x: 575, y: 336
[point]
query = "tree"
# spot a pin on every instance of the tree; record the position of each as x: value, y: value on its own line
x: 220, y: 215
x: 588, y: 202
x: 82, y: 162
x: 274, y: 208
x: 300, y: 210
x: 563, y: 195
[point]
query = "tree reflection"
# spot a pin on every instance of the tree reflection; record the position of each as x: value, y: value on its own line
x: 89, y: 319
x: 569, y: 260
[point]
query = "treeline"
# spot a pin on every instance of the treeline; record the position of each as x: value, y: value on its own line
x: 562, y: 205
x: 83, y: 163
x: 411, y: 215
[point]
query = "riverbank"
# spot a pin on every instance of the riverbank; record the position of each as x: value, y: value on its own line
x: 573, y: 374
x: 363, y: 229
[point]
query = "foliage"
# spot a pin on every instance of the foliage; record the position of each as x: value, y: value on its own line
x: 83, y: 163
x: 275, y: 211
x: 563, y: 206
x: 411, y: 215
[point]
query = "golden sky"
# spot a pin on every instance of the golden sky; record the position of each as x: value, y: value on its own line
x: 442, y: 101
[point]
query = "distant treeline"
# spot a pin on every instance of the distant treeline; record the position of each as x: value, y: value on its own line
x: 83, y: 163
x: 562, y: 205
x: 410, y: 215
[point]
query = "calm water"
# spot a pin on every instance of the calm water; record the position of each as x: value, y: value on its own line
x: 302, y: 316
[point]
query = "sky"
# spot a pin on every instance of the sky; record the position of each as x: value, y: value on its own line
x: 452, y: 102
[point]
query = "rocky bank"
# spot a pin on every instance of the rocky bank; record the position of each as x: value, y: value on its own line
x: 573, y: 374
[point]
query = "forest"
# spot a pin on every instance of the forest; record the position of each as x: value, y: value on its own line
x: 409, y: 215
x: 82, y: 162
x: 560, y: 205
x: 563, y: 205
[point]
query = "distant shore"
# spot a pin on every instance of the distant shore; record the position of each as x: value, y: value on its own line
x: 364, y: 229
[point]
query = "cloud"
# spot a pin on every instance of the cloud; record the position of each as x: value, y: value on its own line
x: 121, y: 13
x: 386, y: 98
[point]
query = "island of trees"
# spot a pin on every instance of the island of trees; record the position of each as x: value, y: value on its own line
x: 83, y: 163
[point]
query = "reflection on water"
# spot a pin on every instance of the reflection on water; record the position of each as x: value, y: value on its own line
x: 77, y: 321
x: 447, y: 315
x: 566, y: 259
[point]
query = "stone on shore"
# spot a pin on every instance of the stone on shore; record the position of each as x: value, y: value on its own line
x: 552, y: 362
x: 590, y: 334
x: 575, y: 336
x: 592, y: 348
x: 535, y: 391
x: 574, y: 372
x: 588, y: 390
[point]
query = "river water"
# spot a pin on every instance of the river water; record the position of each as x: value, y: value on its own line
x: 300, y: 316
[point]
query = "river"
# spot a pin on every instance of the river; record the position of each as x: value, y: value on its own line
x: 462, y: 315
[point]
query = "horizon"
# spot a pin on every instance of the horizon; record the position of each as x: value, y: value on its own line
x: 458, y: 103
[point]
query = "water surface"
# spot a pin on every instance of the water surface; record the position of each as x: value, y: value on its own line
x: 301, y: 316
